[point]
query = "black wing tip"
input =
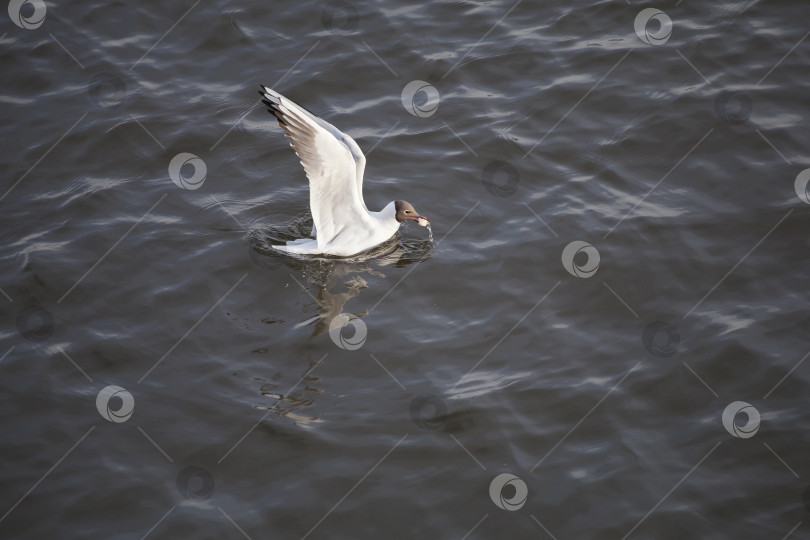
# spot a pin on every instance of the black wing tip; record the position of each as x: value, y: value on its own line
x: 266, y: 91
x: 272, y: 107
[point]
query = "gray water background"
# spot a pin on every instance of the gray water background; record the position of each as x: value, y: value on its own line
x: 555, y: 123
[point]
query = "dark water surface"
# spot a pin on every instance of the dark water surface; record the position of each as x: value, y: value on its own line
x: 621, y: 222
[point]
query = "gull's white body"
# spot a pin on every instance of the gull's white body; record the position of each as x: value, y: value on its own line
x: 334, y: 165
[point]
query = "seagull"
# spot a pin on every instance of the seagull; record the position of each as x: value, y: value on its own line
x: 334, y: 165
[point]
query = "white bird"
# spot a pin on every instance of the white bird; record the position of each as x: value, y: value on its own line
x: 334, y: 165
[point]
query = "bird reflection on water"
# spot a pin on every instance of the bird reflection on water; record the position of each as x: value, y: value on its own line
x: 331, y: 282
x: 325, y: 271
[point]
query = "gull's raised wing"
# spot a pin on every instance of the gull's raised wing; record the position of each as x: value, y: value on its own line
x: 333, y: 164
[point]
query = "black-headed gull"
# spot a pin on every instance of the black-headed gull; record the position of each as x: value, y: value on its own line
x: 334, y: 165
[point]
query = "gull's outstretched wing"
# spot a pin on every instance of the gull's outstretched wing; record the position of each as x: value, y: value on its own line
x: 357, y: 154
x: 333, y: 163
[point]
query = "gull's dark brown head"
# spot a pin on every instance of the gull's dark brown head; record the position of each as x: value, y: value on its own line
x: 405, y: 211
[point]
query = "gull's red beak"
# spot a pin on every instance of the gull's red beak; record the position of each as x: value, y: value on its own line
x: 421, y: 220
